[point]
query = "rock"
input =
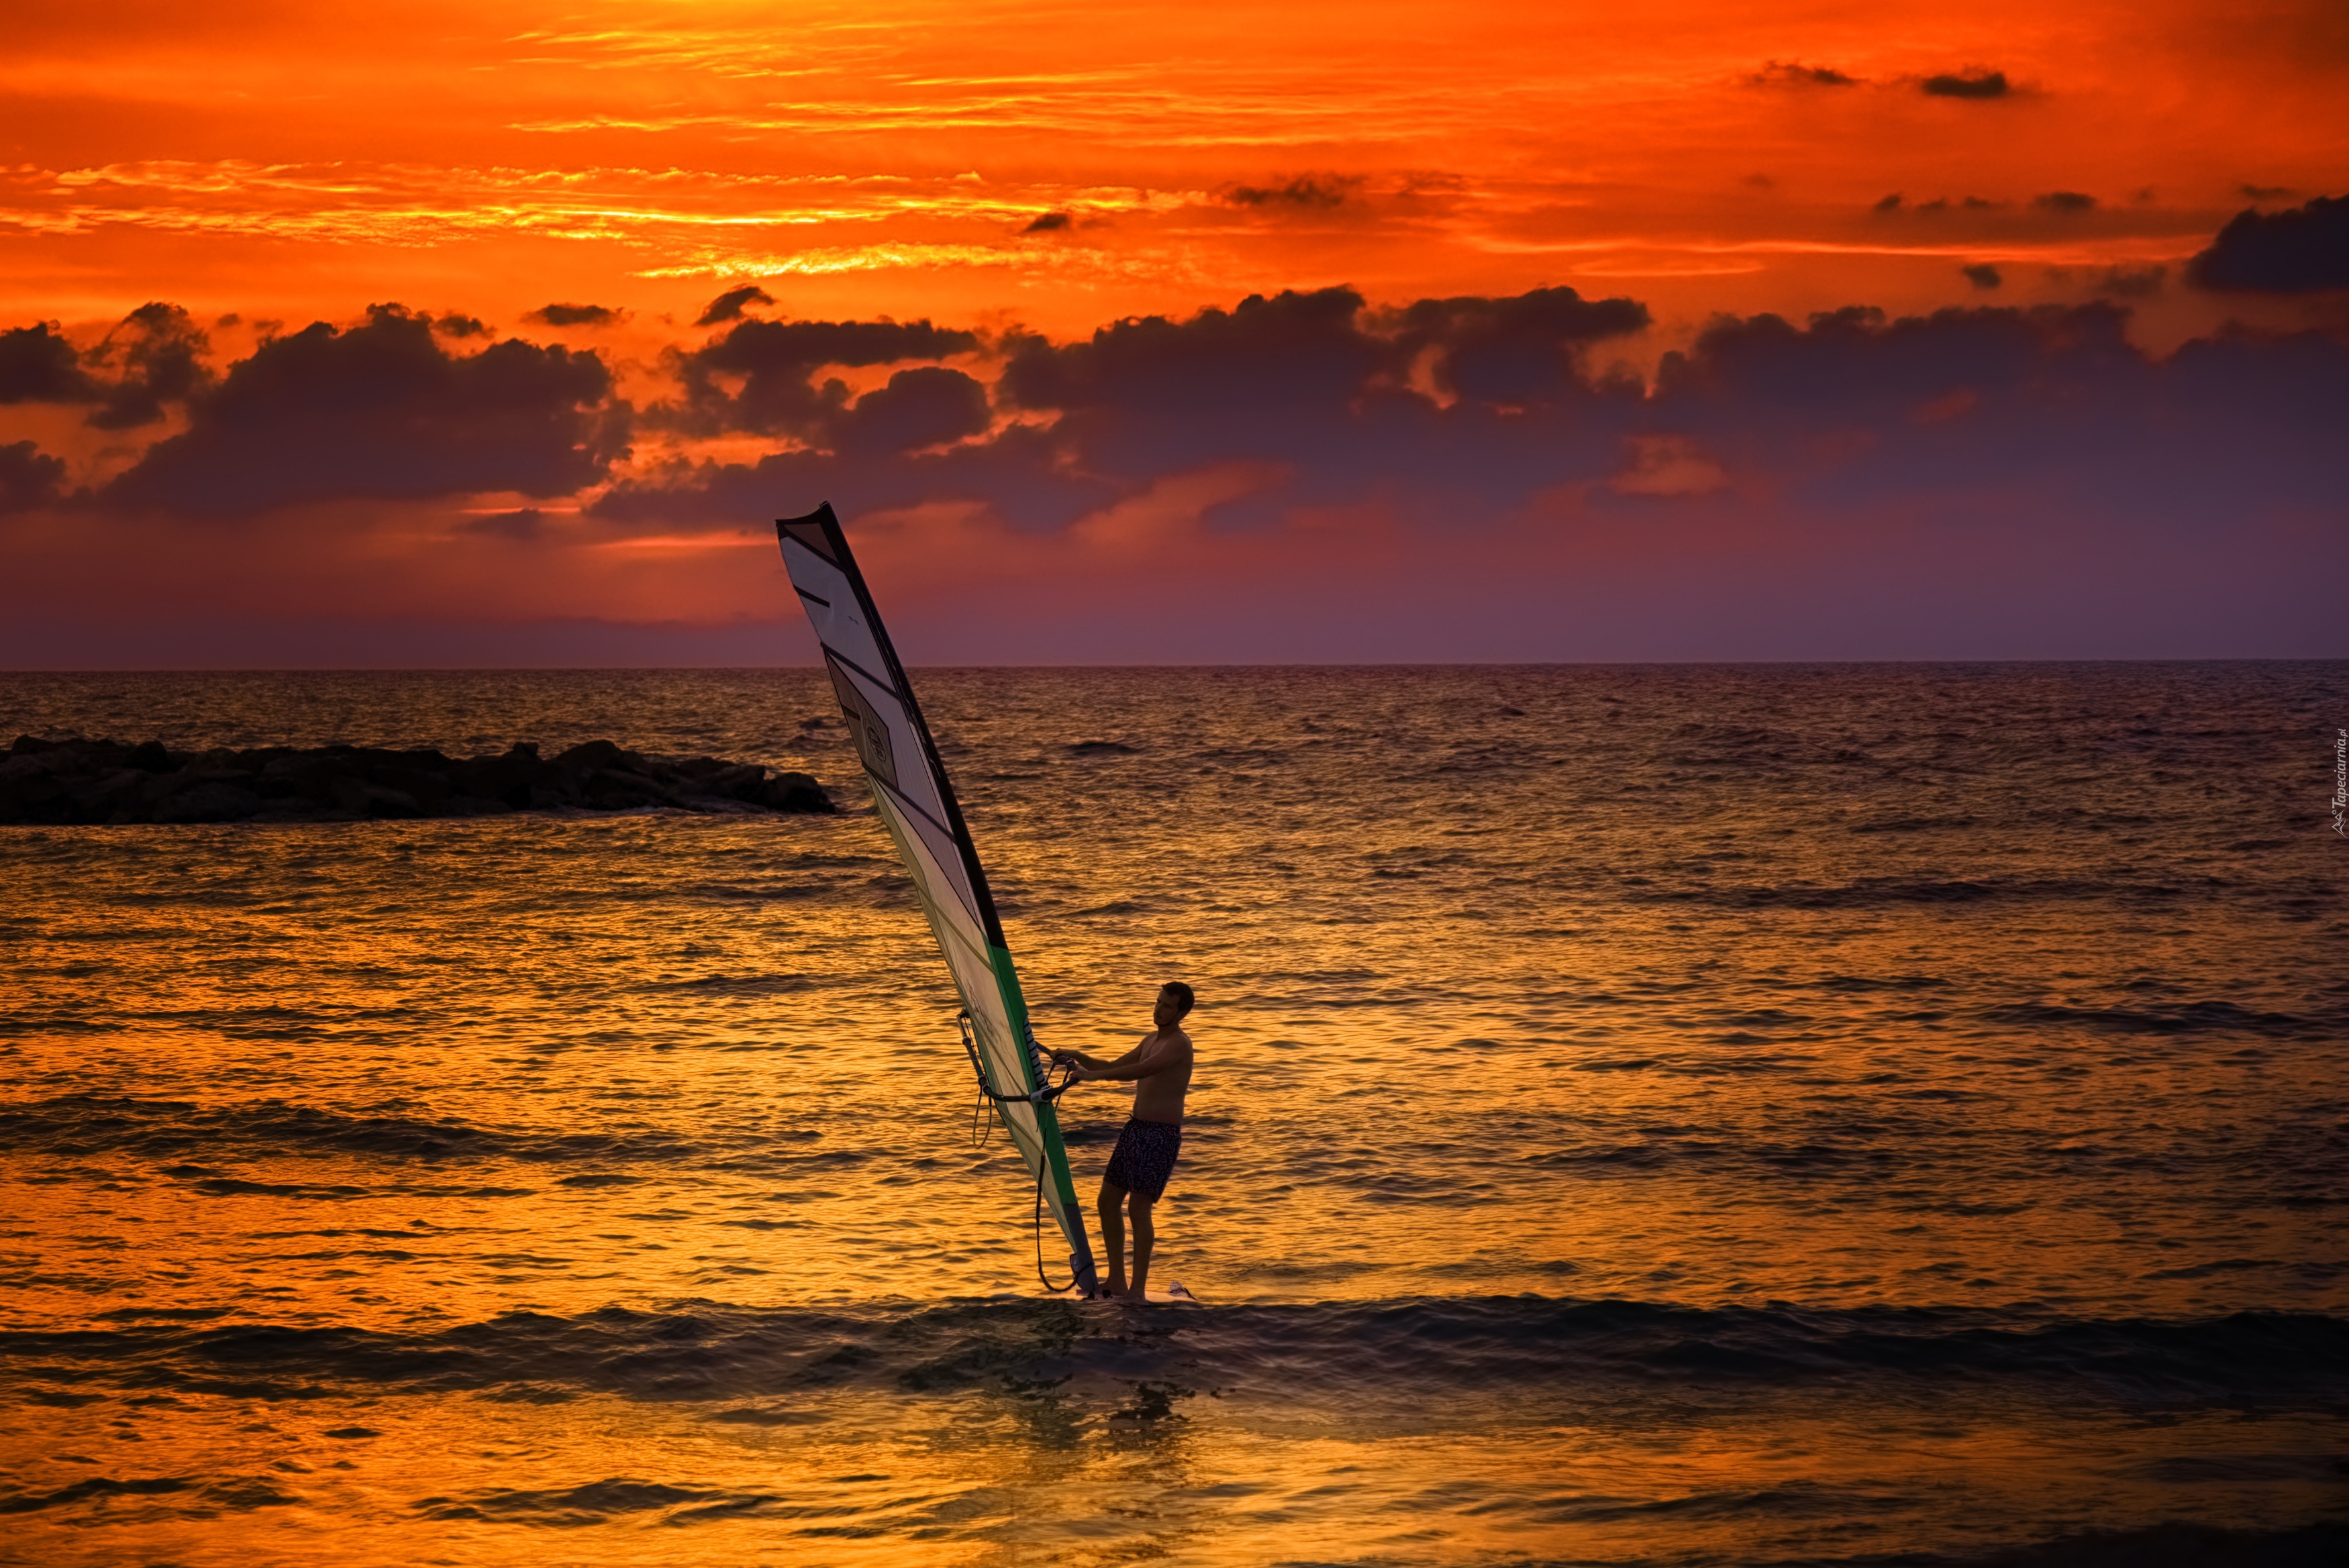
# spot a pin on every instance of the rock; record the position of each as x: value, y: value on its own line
x: 77, y: 780
x: 593, y: 754
x: 506, y: 778
x: 794, y: 792
x: 474, y: 806
x: 739, y: 783
x: 362, y: 798
x: 209, y: 801
x: 610, y: 789
x: 118, y: 795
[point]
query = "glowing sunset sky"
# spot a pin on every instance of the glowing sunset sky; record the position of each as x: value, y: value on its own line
x: 2111, y: 450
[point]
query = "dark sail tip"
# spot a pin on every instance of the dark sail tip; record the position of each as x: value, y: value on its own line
x: 816, y: 531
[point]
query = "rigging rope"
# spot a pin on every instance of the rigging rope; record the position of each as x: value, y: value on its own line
x: 991, y: 1106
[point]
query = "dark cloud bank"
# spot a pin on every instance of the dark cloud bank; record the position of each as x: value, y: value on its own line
x: 1474, y: 408
x: 381, y: 410
x: 1975, y: 83
x: 155, y: 356
x: 2024, y: 477
x: 2303, y: 251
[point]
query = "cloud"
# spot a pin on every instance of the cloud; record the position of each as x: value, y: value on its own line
x: 38, y: 365
x: 1510, y: 352
x: 2265, y: 192
x: 1888, y: 474
x: 577, y: 315
x: 2063, y: 201
x: 1982, y: 275
x: 2299, y: 251
x: 1315, y: 350
x: 1971, y: 83
x: 1667, y: 465
x: 1310, y: 381
x: 1245, y: 373
x: 1790, y: 73
x: 29, y: 478
x: 1046, y: 223
x: 1488, y: 400
x: 458, y: 325
x: 729, y: 306
x: 1309, y: 192
x: 927, y: 406
x: 1888, y: 204
x: 771, y: 364
x: 381, y: 411
x: 1464, y: 476
x: 523, y: 523
x: 2131, y: 283
x: 159, y: 352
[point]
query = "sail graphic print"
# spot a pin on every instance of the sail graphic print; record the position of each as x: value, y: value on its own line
x: 916, y: 803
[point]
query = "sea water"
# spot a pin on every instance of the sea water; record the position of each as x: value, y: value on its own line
x: 1662, y: 1115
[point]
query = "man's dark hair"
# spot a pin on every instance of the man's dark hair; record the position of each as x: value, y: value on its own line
x: 1181, y: 993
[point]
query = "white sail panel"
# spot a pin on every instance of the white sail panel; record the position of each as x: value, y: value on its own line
x: 916, y: 803
x: 885, y: 733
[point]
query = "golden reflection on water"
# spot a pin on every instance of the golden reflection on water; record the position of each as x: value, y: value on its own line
x: 892, y: 1482
x: 1492, y: 1008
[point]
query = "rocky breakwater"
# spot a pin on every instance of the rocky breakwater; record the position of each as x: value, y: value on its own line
x: 77, y: 780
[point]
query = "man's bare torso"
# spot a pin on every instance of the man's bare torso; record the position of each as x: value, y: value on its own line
x: 1159, y: 1097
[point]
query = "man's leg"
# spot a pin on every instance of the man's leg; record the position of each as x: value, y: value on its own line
x: 1112, y: 1219
x: 1144, y: 1235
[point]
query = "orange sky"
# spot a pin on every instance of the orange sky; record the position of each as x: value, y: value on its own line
x: 887, y: 157
x: 265, y: 168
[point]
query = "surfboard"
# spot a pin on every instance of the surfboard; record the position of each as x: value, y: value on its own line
x: 916, y: 803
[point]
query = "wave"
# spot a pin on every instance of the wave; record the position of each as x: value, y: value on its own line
x: 2194, y: 1018
x: 2174, y: 1544
x: 1873, y: 893
x: 71, y: 1124
x: 1335, y: 1353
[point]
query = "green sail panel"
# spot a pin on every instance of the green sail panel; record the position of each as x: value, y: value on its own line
x: 916, y: 803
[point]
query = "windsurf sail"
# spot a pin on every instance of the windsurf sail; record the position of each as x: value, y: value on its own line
x: 917, y: 805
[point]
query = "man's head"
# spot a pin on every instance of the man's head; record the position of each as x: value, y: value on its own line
x: 1174, y: 999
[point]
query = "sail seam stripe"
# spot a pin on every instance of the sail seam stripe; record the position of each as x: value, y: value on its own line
x: 818, y: 598
x: 889, y: 691
x: 915, y: 806
x: 942, y: 926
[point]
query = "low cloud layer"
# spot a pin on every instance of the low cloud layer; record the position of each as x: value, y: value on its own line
x: 37, y: 364
x: 576, y: 316
x: 29, y: 478
x: 1316, y: 474
x: 382, y: 410
x: 757, y: 376
x: 1976, y: 83
x: 2302, y: 251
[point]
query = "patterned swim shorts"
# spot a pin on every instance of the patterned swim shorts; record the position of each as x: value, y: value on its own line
x: 1143, y: 1160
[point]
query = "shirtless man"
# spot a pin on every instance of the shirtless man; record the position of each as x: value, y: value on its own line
x: 1143, y: 1160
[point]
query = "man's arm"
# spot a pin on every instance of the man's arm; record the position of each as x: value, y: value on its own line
x: 1081, y: 1059
x: 1138, y: 1063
